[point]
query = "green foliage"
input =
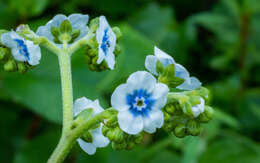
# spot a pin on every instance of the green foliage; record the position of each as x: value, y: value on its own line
x: 218, y: 42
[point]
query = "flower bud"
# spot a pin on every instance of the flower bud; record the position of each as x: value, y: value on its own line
x: 87, y: 137
x: 10, y: 66
x: 193, y: 128
x: 180, y: 131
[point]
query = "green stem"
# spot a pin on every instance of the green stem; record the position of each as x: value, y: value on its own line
x: 68, y: 139
x: 67, y: 91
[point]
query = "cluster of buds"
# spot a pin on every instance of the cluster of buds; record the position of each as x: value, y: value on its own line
x: 185, y: 111
x: 104, y: 43
x: 120, y: 139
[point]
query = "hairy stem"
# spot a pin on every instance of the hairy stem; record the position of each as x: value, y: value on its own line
x: 67, y: 91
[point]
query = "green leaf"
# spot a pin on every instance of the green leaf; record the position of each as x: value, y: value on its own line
x: 39, y: 149
x: 230, y: 150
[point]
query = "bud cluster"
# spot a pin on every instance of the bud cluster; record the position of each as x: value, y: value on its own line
x: 120, y: 140
x: 92, y: 48
x: 179, y: 113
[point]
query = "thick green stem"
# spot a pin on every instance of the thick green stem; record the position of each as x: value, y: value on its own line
x: 67, y: 91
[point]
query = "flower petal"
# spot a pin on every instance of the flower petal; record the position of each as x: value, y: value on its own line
x: 80, y: 104
x: 79, y: 21
x: 46, y: 30
x: 35, y: 53
x: 160, y: 94
x: 194, y: 83
x: 150, y: 64
x: 142, y: 80
x: 160, y: 54
x: 110, y: 59
x: 87, y: 147
x: 129, y: 123
x: 118, y: 98
x: 197, y: 109
x: 99, y: 140
x: 153, y: 121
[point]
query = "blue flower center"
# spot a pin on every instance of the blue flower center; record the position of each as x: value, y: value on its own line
x: 105, y: 42
x: 140, y: 102
x: 23, y: 50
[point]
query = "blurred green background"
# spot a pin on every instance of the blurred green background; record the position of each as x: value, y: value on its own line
x: 218, y: 41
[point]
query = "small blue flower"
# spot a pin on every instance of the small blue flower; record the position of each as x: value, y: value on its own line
x: 22, y: 50
x: 99, y: 140
x: 139, y: 102
x: 190, y: 83
x: 198, y: 109
x: 107, y: 41
x: 78, y: 21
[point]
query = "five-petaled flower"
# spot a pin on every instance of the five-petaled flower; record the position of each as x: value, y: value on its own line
x: 106, y: 39
x: 189, y: 83
x: 98, y: 139
x: 22, y: 50
x: 78, y: 21
x: 199, y: 108
x: 139, y: 102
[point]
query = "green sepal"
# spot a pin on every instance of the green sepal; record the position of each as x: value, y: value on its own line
x: 83, y: 116
x: 167, y: 75
x: 159, y: 67
x: 87, y: 137
x: 75, y: 34
x: 55, y: 31
x: 66, y: 27
x: 22, y: 68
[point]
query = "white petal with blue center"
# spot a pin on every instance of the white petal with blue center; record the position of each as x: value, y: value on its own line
x: 137, y: 101
x: 22, y: 50
x: 107, y: 42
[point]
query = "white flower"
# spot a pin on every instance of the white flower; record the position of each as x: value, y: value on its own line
x: 139, y: 102
x: 106, y: 43
x: 99, y: 140
x: 78, y: 21
x: 197, y: 109
x: 22, y: 50
x: 190, y: 83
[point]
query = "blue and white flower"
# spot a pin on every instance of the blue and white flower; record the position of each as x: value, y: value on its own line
x: 78, y: 21
x: 139, y: 103
x: 199, y: 108
x: 99, y: 140
x: 106, y: 39
x: 190, y: 83
x: 22, y: 50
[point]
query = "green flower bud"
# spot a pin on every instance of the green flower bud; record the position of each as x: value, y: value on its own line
x: 117, y: 32
x: 193, y: 128
x: 22, y: 67
x: 180, y: 131
x: 207, y: 115
x: 87, y: 137
x: 117, y: 146
x: 3, y: 52
x: 94, y: 24
x: 10, y: 66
